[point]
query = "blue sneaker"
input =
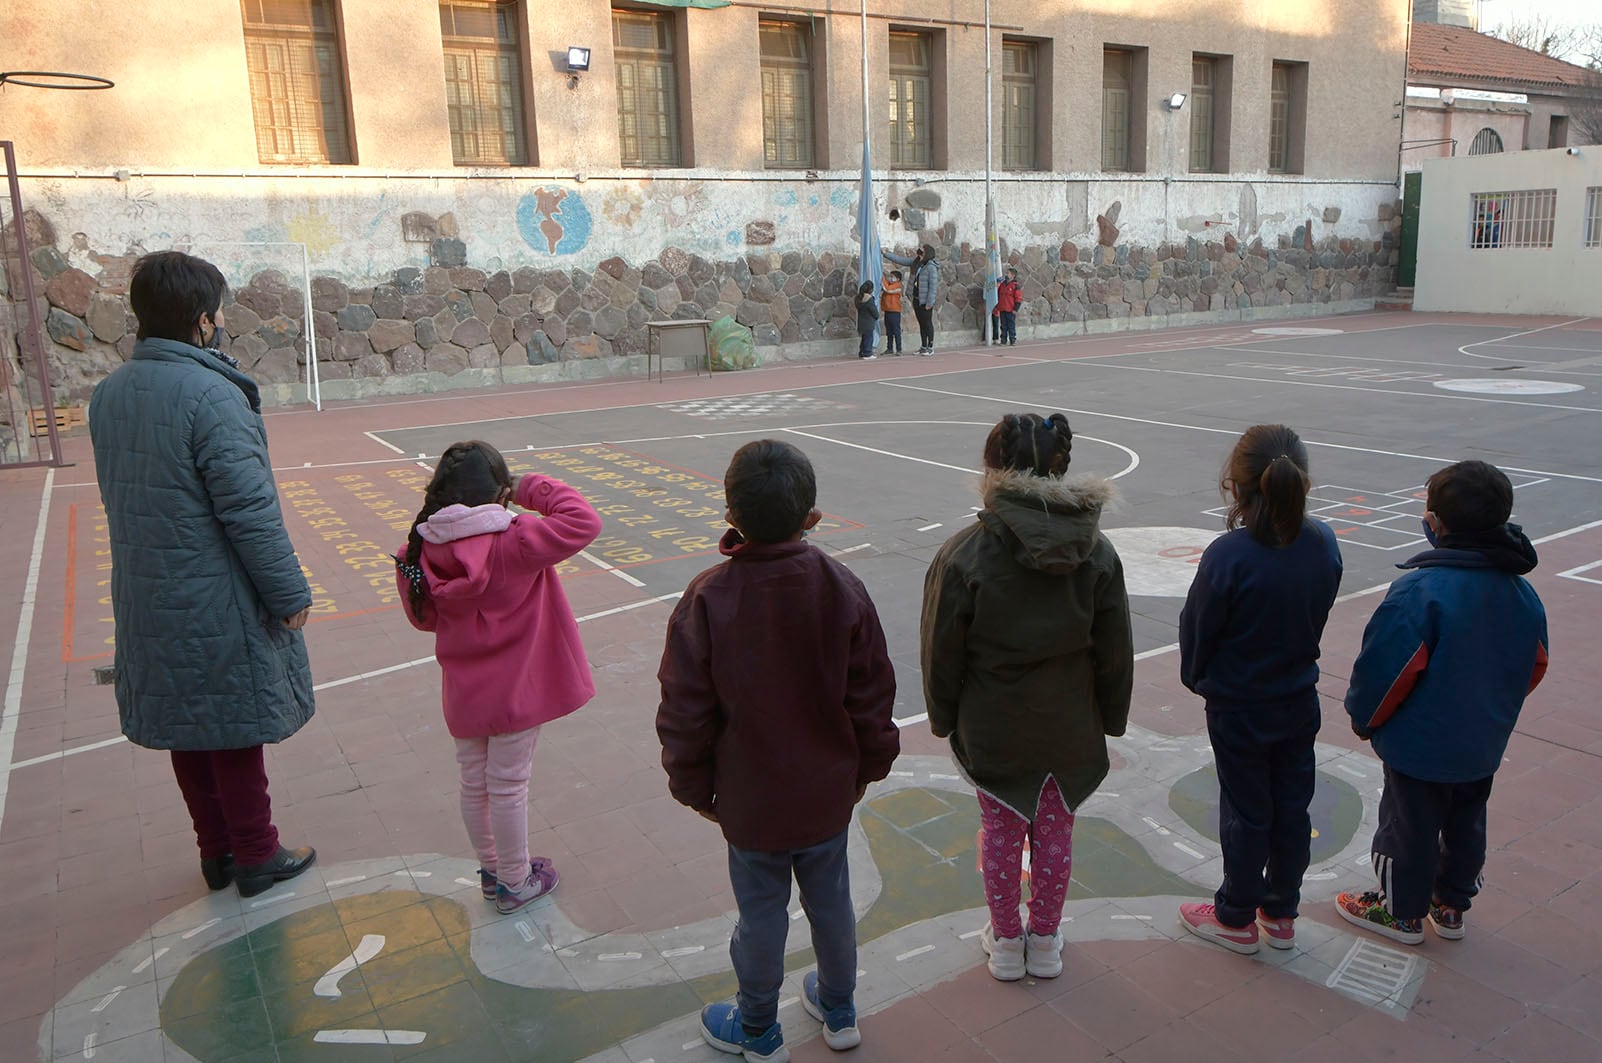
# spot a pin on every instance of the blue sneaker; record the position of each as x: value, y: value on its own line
x: 839, y: 1024
x: 720, y: 1028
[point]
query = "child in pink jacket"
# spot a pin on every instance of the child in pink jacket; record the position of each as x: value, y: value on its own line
x: 483, y: 580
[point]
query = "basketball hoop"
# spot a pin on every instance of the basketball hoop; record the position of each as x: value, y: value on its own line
x: 54, y: 79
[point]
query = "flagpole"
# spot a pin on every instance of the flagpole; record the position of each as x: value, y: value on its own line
x: 869, y: 264
x: 990, y: 205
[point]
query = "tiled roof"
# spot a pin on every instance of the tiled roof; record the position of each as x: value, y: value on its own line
x: 1464, y: 55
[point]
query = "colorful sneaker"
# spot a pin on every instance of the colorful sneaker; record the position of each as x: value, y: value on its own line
x: 720, y: 1028
x: 839, y: 1024
x: 1367, y: 910
x: 1006, y: 955
x: 1447, y: 921
x: 542, y: 879
x: 1202, y: 920
x: 487, y: 883
x: 1279, y: 933
x: 1043, y: 955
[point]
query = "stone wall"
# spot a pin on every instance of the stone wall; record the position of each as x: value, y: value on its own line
x: 444, y: 325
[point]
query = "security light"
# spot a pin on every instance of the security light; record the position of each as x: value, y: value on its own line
x: 1176, y: 101
x: 578, y: 59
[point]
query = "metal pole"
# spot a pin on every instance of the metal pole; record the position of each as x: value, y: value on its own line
x: 314, y: 382
x: 865, y: 108
x: 990, y: 204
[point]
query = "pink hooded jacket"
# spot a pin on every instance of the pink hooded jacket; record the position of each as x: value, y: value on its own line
x: 505, y: 637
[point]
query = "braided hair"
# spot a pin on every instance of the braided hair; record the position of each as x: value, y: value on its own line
x: 1266, y: 476
x: 469, y: 474
x: 1028, y: 442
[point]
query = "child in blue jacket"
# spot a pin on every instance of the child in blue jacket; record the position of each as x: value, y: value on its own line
x: 1447, y: 661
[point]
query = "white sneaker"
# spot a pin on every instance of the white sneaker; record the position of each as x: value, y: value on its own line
x: 1043, y: 955
x: 1006, y: 955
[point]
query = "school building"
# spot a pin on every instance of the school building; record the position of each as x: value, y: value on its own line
x: 468, y: 192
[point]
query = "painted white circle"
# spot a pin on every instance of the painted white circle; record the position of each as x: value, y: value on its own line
x: 1509, y: 386
x: 1292, y: 330
x: 1160, y: 562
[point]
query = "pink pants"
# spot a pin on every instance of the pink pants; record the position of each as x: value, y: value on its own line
x: 495, y: 773
x: 1051, y: 843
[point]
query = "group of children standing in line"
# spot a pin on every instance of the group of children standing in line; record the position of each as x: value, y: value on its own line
x: 884, y: 308
x: 777, y: 690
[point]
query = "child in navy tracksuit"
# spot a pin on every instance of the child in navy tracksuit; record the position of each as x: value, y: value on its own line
x: 1248, y: 643
x: 1447, y: 661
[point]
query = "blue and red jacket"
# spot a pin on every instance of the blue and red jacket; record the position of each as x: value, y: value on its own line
x: 1449, y: 657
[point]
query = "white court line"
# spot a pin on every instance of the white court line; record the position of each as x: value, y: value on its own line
x: 102, y: 744
x: 930, y: 527
x: 369, y: 1037
x: 383, y: 442
x: 19, y: 652
x: 1234, y: 432
x: 1134, y: 458
x: 908, y: 721
x: 1528, y: 332
x: 605, y: 566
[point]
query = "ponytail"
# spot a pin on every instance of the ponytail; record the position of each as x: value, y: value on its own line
x: 1267, y: 476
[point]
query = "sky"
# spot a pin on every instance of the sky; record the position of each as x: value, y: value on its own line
x: 1494, y: 13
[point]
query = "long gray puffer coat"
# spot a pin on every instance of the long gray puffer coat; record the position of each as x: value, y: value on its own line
x: 202, y: 570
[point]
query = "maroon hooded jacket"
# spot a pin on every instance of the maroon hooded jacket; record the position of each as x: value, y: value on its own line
x: 776, y: 695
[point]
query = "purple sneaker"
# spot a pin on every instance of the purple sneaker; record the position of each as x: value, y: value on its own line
x: 542, y: 879
x: 487, y: 883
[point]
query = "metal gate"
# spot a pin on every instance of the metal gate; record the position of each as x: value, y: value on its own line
x: 28, y: 434
x: 1407, y: 260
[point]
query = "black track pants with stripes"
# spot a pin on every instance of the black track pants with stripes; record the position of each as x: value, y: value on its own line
x: 1430, y: 845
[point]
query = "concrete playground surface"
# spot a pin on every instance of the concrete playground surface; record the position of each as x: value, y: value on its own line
x: 114, y: 950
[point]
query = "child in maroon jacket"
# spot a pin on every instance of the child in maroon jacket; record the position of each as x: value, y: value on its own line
x: 776, y: 697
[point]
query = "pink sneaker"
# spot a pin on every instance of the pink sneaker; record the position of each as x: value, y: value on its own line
x: 1202, y: 920
x: 1280, y: 933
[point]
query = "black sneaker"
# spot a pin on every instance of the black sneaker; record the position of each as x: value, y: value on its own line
x: 282, y: 866
x: 218, y: 870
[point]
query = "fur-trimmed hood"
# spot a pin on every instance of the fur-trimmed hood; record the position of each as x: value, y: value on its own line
x: 1053, y: 522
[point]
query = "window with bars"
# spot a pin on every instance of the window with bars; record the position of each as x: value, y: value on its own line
x: 1287, y: 117
x: 484, y: 83
x: 1499, y: 220
x: 911, y: 86
x: 297, y: 81
x: 1593, y: 217
x: 647, y: 88
x: 787, y: 126
x: 1020, y: 65
x: 1117, y: 90
x: 1203, y: 82
x: 1486, y: 142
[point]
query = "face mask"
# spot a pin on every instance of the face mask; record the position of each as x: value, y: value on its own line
x: 1429, y: 532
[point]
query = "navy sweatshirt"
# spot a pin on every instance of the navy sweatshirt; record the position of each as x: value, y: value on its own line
x: 1250, y: 629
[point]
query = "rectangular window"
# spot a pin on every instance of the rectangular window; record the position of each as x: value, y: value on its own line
x: 484, y: 83
x: 647, y: 88
x: 1593, y: 217
x: 297, y: 81
x: 1117, y: 92
x: 787, y: 136
x: 1020, y: 66
x: 1203, y: 77
x: 1558, y: 132
x: 911, y: 106
x: 1287, y: 117
x: 1512, y: 219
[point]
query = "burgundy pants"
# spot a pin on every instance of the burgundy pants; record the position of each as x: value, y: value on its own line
x: 226, y: 791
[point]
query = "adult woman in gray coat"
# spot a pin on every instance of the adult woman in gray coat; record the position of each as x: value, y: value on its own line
x: 924, y: 288
x: 207, y: 593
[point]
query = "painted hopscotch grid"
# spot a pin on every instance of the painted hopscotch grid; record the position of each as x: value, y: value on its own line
x: 1578, y: 574
x: 752, y: 406
x: 1377, y: 520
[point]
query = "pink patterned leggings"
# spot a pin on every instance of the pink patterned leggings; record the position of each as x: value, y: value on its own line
x: 1051, y: 844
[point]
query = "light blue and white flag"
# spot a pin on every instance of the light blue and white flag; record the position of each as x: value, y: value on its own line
x: 871, y: 261
x: 992, y: 268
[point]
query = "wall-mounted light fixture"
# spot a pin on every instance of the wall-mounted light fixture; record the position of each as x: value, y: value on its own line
x: 1176, y: 101
x: 578, y: 60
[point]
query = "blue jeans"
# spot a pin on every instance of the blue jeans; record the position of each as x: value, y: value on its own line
x: 1009, y: 326
x: 892, y: 331
x: 761, y: 884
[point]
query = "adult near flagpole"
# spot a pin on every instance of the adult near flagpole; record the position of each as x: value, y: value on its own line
x: 870, y: 261
x: 992, y: 245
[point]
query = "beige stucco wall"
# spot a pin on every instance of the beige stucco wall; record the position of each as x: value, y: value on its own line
x: 182, y: 100
x: 1429, y: 119
x: 1562, y: 279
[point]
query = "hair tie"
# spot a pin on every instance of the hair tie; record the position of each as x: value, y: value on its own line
x: 413, y: 574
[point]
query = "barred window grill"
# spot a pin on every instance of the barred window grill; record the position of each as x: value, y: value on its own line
x: 1525, y: 218
x: 1593, y: 217
x: 1486, y: 142
x: 484, y: 83
x: 787, y: 136
x: 297, y: 81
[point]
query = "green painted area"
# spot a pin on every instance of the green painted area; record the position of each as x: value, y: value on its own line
x: 256, y: 992
x: 1337, y: 809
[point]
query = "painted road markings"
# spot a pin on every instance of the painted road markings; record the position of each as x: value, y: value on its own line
x: 328, y: 985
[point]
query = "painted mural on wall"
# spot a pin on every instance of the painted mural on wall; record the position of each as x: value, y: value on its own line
x: 554, y: 220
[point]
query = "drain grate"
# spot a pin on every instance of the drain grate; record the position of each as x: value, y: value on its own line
x: 1373, y: 973
x: 105, y: 675
x: 1505, y: 368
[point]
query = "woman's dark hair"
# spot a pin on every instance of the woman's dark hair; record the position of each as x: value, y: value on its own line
x: 770, y: 488
x: 1028, y: 442
x: 169, y: 291
x: 867, y: 286
x: 469, y: 474
x: 1268, y: 473
x: 1470, y: 496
